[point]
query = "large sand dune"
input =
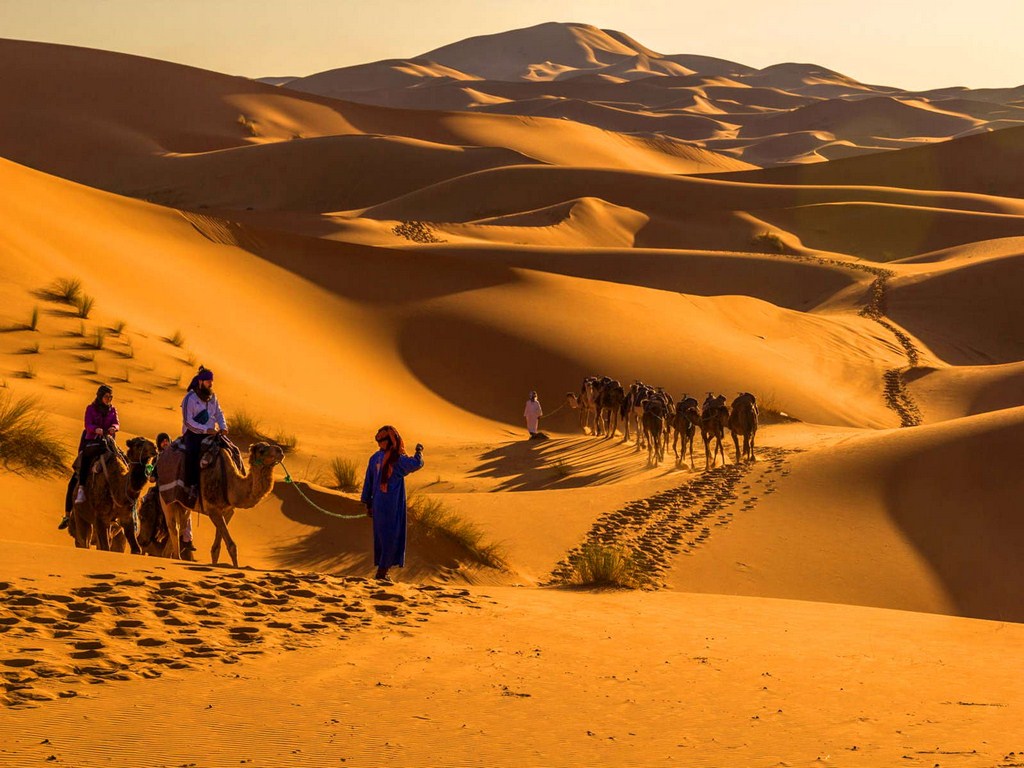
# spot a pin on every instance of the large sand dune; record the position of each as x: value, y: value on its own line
x: 853, y: 593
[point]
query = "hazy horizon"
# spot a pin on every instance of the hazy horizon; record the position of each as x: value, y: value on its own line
x: 915, y: 45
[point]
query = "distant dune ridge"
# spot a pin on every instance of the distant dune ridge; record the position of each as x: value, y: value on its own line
x: 645, y: 91
x: 422, y: 242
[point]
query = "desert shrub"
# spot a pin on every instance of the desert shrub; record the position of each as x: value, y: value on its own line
x: 601, y: 565
x: 287, y: 443
x: 65, y: 289
x: 83, y: 305
x: 770, y: 242
x: 118, y: 327
x: 33, y: 320
x: 769, y: 410
x: 26, y: 442
x: 177, y: 339
x: 98, y: 339
x: 433, y: 518
x: 344, y: 474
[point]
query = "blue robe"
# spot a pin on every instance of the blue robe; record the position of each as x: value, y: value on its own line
x: 388, y: 508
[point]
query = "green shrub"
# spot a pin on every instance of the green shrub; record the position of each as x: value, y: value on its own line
x: 26, y: 441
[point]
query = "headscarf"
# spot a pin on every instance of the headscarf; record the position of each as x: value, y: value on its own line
x: 204, y: 374
x: 104, y: 389
x: 396, y: 448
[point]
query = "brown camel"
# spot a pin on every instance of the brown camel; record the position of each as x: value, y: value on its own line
x: 714, y: 418
x: 222, y: 490
x: 110, y: 497
x: 633, y: 411
x: 585, y: 402
x: 653, y: 423
x: 685, y: 422
x: 743, y: 421
x: 609, y: 405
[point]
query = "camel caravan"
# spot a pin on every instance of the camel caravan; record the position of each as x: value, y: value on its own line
x: 650, y: 414
x: 201, y: 471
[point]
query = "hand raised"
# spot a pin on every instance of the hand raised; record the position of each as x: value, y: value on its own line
x: 419, y: 447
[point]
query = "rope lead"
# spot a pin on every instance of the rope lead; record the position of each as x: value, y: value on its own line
x: 288, y: 480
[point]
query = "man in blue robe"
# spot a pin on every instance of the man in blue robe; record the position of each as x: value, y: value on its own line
x: 384, y: 497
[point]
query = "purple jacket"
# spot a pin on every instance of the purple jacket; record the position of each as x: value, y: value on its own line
x: 95, y: 420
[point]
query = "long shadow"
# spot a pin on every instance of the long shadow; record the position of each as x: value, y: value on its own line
x: 971, y: 533
x: 572, y: 462
x: 345, y: 547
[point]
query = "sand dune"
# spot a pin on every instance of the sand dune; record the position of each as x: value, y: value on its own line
x: 342, y: 265
x: 983, y: 163
x: 582, y: 63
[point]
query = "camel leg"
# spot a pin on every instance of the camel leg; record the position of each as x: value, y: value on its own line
x: 736, y: 442
x: 217, y: 538
x: 103, y: 535
x: 173, y: 549
x: 131, y: 535
x: 83, y: 531
x: 753, y: 457
x: 222, y: 532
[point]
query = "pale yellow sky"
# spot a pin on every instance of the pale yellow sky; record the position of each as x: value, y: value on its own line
x: 914, y: 44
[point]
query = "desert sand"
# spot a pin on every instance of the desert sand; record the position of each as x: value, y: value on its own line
x: 421, y: 242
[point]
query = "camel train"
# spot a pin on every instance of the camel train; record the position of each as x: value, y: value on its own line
x: 107, y: 518
x: 653, y: 417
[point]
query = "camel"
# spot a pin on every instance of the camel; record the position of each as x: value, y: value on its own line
x: 609, y: 404
x: 110, y: 497
x: 714, y: 418
x: 222, y: 490
x: 685, y: 422
x: 653, y: 422
x: 585, y: 402
x: 743, y: 421
x: 633, y: 411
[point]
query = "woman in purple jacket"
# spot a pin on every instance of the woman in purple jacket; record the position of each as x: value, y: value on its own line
x: 101, y: 424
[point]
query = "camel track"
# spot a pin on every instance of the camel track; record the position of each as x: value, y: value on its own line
x: 897, y: 396
x: 653, y: 531
x: 54, y: 643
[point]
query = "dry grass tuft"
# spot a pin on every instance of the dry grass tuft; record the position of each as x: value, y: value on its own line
x: 249, y: 429
x: 769, y: 410
x: 26, y: 442
x: 433, y: 518
x: 600, y: 565
x: 64, y: 289
x: 83, y: 305
x: 344, y: 474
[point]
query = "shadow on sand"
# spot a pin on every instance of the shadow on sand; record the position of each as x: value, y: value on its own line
x: 565, y: 462
x: 344, y: 547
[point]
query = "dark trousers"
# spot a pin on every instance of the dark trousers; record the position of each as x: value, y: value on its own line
x: 193, y: 446
x: 89, y: 451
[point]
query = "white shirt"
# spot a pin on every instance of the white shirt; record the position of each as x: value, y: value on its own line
x: 192, y: 406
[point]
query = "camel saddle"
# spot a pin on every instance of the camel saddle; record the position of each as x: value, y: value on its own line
x: 170, y: 466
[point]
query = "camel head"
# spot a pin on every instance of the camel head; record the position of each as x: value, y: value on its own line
x: 141, y: 450
x: 572, y: 400
x: 265, y: 455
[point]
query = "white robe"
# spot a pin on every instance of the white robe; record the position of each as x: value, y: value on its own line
x: 532, y: 415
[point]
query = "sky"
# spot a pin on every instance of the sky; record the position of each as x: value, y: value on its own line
x: 913, y: 44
